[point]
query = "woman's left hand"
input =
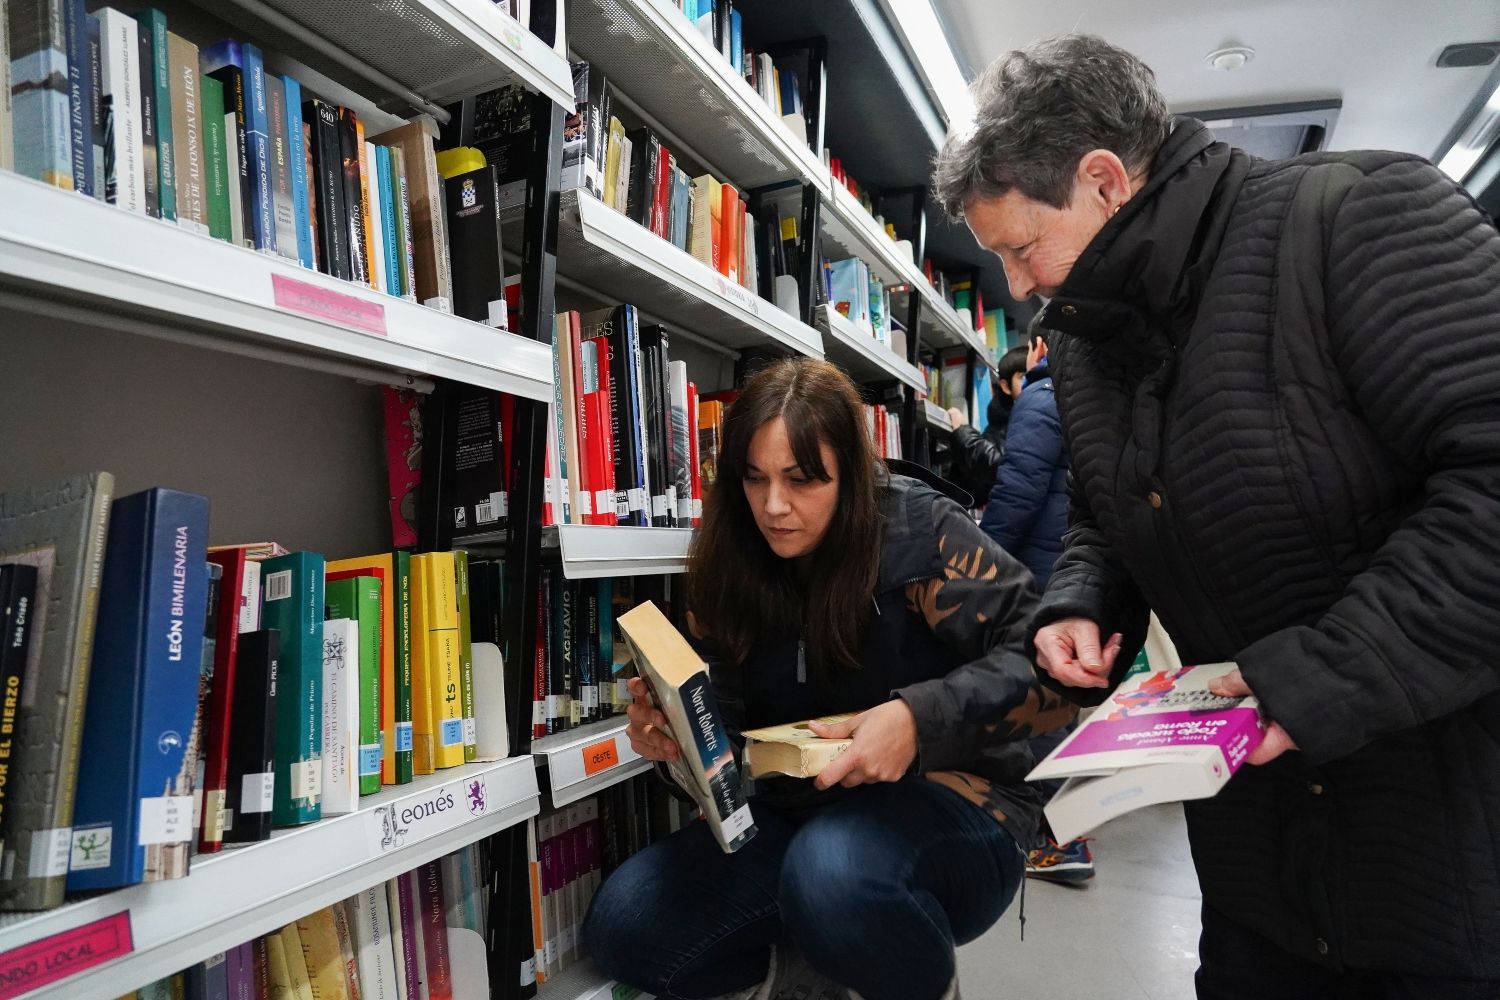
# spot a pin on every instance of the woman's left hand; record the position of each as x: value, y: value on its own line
x: 885, y: 744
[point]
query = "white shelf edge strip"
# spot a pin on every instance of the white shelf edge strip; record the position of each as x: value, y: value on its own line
x: 506, y: 41
x: 582, y: 761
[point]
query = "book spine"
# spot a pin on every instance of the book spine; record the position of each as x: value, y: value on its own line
x: 187, y: 134
x: 444, y: 660
x: 339, y: 715
x: 539, y: 665
x: 466, y: 653
x: 562, y: 505
x: 368, y: 714
x: 146, y: 95
x: 343, y: 916
x: 369, y: 169
x: 283, y: 205
x: 252, y: 749
x: 388, y: 222
x: 435, y: 932
x: 376, y: 959
x: 80, y: 97
x: 402, y: 675
x: 7, y: 111
x: 133, y: 808
x: 293, y: 601
x: 216, y: 175
x: 18, y: 587
x: 124, y: 167
x: 368, y: 207
x: 310, y: 195
x: 197, y: 739
x: 95, y: 87
x: 223, y: 62
x: 42, y: 133
x: 297, y: 154
x: 682, y: 439
x: 216, y: 717
x: 405, y: 246
x: 406, y: 912
x: 299, y: 976
x: 328, y: 164
x: 422, y: 687
x: 158, y: 104
x: 240, y: 963
x: 353, y: 201
x: 257, y: 135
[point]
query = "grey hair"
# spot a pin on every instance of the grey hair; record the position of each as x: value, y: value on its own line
x: 1038, y: 110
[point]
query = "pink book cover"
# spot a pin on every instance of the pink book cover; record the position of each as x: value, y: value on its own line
x: 403, y: 461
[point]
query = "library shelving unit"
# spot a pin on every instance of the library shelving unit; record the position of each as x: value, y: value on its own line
x: 242, y: 893
x: 586, y: 760
x: 587, y: 551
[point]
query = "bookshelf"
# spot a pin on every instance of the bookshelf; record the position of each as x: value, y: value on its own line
x: 243, y: 892
x: 583, y: 981
x: 862, y: 356
x: 610, y: 254
x: 586, y: 760
x: 936, y: 416
x: 589, y: 551
x: 67, y: 256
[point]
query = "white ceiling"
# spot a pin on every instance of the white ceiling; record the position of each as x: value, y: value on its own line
x: 1378, y: 56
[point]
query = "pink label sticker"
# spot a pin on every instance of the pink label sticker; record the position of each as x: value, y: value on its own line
x: 64, y: 954
x: 335, y: 307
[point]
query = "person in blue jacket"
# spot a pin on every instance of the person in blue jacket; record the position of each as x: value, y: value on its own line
x: 1027, y: 514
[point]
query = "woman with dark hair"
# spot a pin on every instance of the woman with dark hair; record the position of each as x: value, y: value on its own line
x: 1279, y: 382
x: 820, y: 583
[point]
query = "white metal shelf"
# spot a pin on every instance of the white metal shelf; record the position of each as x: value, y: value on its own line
x: 937, y: 417
x: 65, y: 254
x: 588, y: 759
x: 865, y: 359
x: 241, y: 893
x: 440, y: 49
x: 608, y: 253
x: 849, y: 226
x: 584, y: 981
x: 651, y: 53
x: 595, y: 550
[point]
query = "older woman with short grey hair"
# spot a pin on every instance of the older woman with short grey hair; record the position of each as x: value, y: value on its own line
x: 1280, y: 387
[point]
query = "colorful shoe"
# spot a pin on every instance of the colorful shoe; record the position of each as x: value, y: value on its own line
x: 1070, y: 862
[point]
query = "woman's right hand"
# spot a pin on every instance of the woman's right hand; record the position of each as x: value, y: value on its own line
x: 648, y: 727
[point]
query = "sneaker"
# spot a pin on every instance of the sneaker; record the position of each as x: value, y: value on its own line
x: 792, y: 978
x: 1070, y: 862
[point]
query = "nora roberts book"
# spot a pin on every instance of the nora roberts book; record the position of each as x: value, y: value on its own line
x: 1161, y: 737
x: 792, y: 749
x: 679, y: 685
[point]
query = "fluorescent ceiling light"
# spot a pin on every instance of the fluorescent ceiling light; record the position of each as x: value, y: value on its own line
x: 918, y: 25
x: 1473, y: 141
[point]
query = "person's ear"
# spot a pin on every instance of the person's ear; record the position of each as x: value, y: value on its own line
x: 1103, y: 181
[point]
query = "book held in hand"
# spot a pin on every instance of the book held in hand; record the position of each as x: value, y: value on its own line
x: 1162, y: 736
x: 678, y: 681
x: 792, y: 749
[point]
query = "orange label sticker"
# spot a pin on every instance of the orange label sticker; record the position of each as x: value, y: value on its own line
x: 600, y: 756
x: 67, y: 953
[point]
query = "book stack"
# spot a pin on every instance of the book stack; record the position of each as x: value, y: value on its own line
x: 776, y: 81
x: 859, y: 296
x: 884, y: 428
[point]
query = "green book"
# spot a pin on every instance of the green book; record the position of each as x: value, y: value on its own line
x: 293, y: 598
x: 465, y: 653
x: 216, y: 158
x: 161, y: 74
x: 358, y: 598
x: 403, y: 668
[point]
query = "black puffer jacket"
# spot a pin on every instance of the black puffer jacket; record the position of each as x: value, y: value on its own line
x: 1280, y: 384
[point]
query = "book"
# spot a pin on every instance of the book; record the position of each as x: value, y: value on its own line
x: 614, y: 331
x: 369, y: 208
x: 187, y: 134
x: 388, y: 223
x: 406, y: 914
x: 657, y: 430
x: 209, y: 979
x: 402, y: 409
x: 351, y: 149
x: 475, y: 247
x: 240, y: 962
x: 343, y: 914
x: 94, y: 83
x: 205, y: 684
x: 428, y: 228
x: 293, y: 604
x: 465, y: 652
x: 371, y: 928
x: 480, y: 501
x: 361, y: 598
x: 406, y: 259
x: 124, y: 155
x: 677, y: 680
x: 1161, y: 736
x: 703, y: 235
x: 224, y: 61
x: 339, y: 716
x: 283, y: 202
x: 299, y: 978
x: 682, y: 437
x: 250, y: 781
x: 7, y: 139
x: 644, y: 166
x: 18, y: 618
x: 434, y: 573
x: 300, y: 175
x: 382, y: 569
x: 80, y: 95
x: 260, y: 209
x: 369, y: 167
x: 150, y: 155
x: 239, y: 588
x: 60, y: 530
x: 39, y: 91
x: 234, y: 132
x: 434, y: 919
x: 792, y: 749
x: 133, y: 809
x: 153, y: 35
x: 329, y: 192
x: 322, y: 955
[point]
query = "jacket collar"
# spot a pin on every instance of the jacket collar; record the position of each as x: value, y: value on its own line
x: 908, y: 541
x: 1145, y: 268
x: 1041, y: 371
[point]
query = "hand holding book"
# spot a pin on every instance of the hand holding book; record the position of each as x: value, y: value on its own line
x: 1276, y: 741
x: 884, y: 746
x: 648, y: 727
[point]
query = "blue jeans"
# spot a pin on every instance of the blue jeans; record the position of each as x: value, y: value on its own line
x: 874, y: 890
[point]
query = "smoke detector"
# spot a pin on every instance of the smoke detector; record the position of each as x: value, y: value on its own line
x: 1228, y: 59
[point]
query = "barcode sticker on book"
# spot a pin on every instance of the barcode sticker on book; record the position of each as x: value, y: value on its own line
x: 604, y: 500
x: 403, y: 737
x: 307, y: 779
x: 583, y: 502
x: 622, y: 504
x: 737, y: 822
x: 554, y: 706
x: 256, y: 793
x: 591, y: 696
x: 166, y: 819
x: 659, y: 505
x: 213, y: 812
x: 49, y: 852
x: 636, y: 498
x: 369, y: 759
x: 279, y: 586
x: 538, y: 713
x: 471, y: 733
x: 452, y: 732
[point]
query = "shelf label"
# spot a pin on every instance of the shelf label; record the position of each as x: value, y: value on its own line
x: 67, y: 953
x: 419, y: 817
x: 600, y: 756
x: 330, y: 306
x: 738, y: 294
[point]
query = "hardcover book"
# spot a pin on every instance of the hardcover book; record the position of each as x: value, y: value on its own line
x: 678, y: 682
x: 382, y: 569
x: 473, y: 224
x: 361, y: 598
x: 1162, y: 736
x: 146, y: 80
x: 133, y: 811
x: 153, y: 34
x: 187, y: 134
x: 465, y: 651
x: 340, y: 716
x: 258, y: 141
x: 60, y: 530
x: 251, y: 781
x: 18, y: 619
x: 438, y: 638
x: 231, y: 621
x: 293, y: 605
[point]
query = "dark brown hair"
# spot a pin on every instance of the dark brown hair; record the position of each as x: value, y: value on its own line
x: 740, y: 592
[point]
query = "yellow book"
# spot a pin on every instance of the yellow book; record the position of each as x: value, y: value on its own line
x: 279, y: 974
x: 792, y: 749
x: 422, y: 715
x: 323, y: 956
x: 296, y: 962
x: 383, y: 567
x: 444, y: 657
x: 612, y: 160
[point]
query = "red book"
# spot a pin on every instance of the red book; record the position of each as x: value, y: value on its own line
x: 585, y: 468
x: 880, y: 431
x: 693, y: 450
x: 539, y: 664
x: 729, y: 242
x: 660, y: 212
x: 599, y: 450
x: 403, y: 461
x: 233, y: 595
x: 434, y: 916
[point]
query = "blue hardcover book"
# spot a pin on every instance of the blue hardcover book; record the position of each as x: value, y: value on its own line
x: 297, y: 150
x: 736, y: 42
x: 133, y: 810
x: 393, y: 255
x: 80, y: 97
x: 258, y: 138
x: 292, y: 589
